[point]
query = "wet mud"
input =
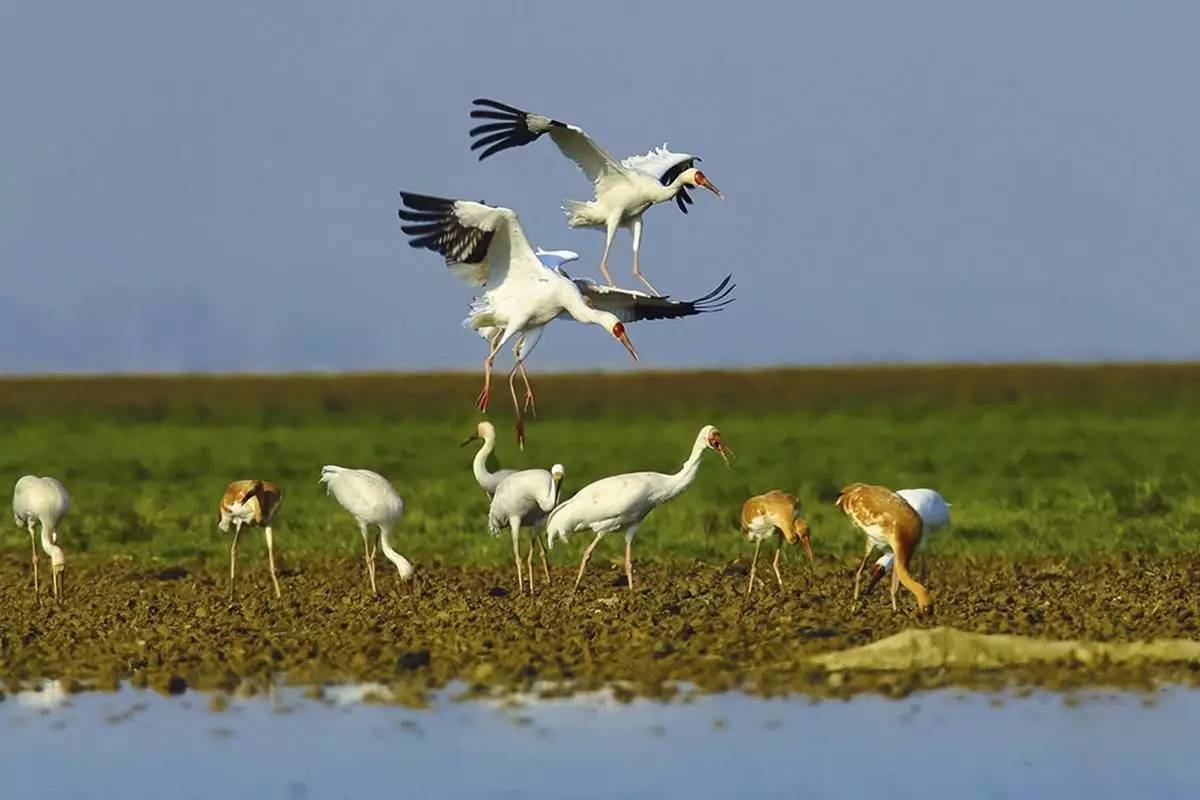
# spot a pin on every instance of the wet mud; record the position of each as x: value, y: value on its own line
x: 173, y: 628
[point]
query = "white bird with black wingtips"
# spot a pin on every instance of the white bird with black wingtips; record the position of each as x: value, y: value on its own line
x: 624, y: 189
x: 620, y: 503
x: 486, y: 247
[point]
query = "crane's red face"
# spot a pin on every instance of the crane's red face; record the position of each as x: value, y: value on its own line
x: 718, y: 444
x: 701, y: 180
x: 618, y: 332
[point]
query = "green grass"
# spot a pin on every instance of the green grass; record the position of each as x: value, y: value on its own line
x: 1036, y: 460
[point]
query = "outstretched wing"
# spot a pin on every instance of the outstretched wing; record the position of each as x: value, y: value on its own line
x: 513, y: 127
x: 629, y: 305
x: 554, y: 259
x: 666, y: 166
x: 482, y: 244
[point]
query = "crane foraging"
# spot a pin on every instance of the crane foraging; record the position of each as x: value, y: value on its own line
x: 624, y: 189
x: 371, y: 500
x: 888, y: 521
x: 935, y: 515
x: 523, y: 499
x: 774, y: 514
x: 622, y: 502
x: 249, y: 502
x: 43, y: 501
x: 486, y: 247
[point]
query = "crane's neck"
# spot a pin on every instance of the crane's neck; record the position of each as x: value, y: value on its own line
x: 663, y: 193
x: 678, y: 483
x: 49, y: 547
x: 479, y: 465
x: 580, y: 311
x: 403, y: 565
x: 548, y: 499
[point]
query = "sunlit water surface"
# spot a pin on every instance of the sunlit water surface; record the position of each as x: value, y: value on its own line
x: 136, y: 744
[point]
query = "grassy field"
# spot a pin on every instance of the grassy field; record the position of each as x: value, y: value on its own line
x: 1035, y: 460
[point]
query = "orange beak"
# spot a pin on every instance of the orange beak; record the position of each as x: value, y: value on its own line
x: 624, y: 338
x: 707, y: 184
x: 807, y: 548
x: 724, y: 452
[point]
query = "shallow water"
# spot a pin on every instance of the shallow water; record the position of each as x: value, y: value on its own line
x: 135, y: 743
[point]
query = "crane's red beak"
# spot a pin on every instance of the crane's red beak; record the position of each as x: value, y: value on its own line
x: 707, y: 184
x: 619, y: 332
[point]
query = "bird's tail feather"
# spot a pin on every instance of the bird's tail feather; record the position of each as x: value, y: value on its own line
x: 580, y: 214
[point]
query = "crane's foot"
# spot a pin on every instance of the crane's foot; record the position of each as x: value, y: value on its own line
x: 481, y: 402
x: 530, y: 405
x: 520, y: 428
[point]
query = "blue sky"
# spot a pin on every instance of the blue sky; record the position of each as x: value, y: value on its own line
x: 213, y: 186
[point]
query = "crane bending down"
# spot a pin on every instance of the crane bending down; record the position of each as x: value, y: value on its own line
x: 43, y: 501
x: 621, y: 502
x: 523, y: 499
x: 486, y: 247
x: 371, y: 500
x: 935, y: 515
x: 888, y: 521
x: 250, y: 502
x: 776, y: 515
x: 624, y: 189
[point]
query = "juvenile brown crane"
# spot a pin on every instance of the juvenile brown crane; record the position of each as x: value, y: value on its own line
x: 774, y: 514
x: 250, y: 502
x: 888, y: 521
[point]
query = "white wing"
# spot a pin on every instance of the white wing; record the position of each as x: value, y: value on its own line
x: 659, y: 161
x: 553, y: 259
x: 630, y: 305
x: 662, y: 164
x: 483, y: 245
x: 513, y: 128
x: 363, y: 493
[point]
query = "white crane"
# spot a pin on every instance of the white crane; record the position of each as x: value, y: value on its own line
x: 43, y: 501
x: 486, y: 247
x: 621, y: 502
x: 934, y: 512
x: 523, y: 499
x: 371, y: 500
x: 250, y: 503
x: 488, y: 481
x: 624, y: 189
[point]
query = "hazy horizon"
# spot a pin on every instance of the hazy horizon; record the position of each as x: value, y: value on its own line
x: 214, y: 189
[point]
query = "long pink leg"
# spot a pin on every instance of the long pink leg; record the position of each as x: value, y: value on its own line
x: 530, y: 404
x: 482, y: 401
x: 512, y: 389
x: 587, y: 554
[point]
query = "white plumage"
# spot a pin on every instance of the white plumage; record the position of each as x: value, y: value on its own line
x: 934, y: 512
x: 523, y: 499
x: 43, y: 501
x: 622, y: 502
x: 488, y: 481
x: 487, y: 247
x: 624, y: 189
x: 371, y: 500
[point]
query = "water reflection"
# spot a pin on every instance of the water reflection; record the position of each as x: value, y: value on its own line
x: 283, y: 744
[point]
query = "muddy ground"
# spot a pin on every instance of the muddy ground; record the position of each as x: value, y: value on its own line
x: 172, y: 628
